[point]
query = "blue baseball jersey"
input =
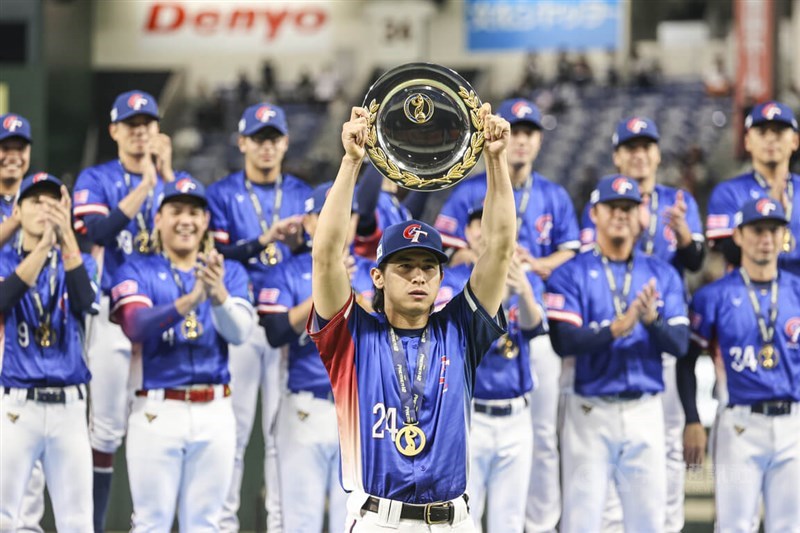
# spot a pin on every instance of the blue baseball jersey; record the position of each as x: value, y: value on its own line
x: 578, y: 293
x: 729, y: 196
x: 499, y: 377
x: 722, y: 314
x: 24, y: 362
x: 357, y: 354
x: 549, y: 223
x: 233, y: 216
x: 169, y: 359
x: 664, y: 242
x: 287, y: 285
x: 98, y: 191
x: 6, y: 208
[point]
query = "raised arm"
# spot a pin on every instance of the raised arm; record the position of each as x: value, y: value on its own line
x: 498, y: 222
x: 330, y: 284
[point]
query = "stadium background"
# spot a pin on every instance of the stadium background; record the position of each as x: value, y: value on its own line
x: 692, y: 65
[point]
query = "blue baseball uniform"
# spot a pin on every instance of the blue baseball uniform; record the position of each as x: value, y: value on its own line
x: 548, y: 218
x: 388, y: 211
x: 758, y: 434
x: 729, y: 196
x: 357, y: 353
x: 234, y: 219
x: 43, y: 393
x: 657, y: 239
x: 616, y: 384
x: 181, y: 429
x: 149, y: 281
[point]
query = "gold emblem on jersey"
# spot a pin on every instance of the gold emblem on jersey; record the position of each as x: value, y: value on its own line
x: 44, y: 336
x: 768, y: 356
x: 270, y: 256
x: 142, y: 241
x: 508, y: 347
x: 418, y: 108
x: 191, y: 328
x: 406, y: 440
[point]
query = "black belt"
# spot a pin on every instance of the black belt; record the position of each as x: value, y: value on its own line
x: 496, y: 410
x: 625, y: 395
x: 48, y: 394
x: 431, y: 513
x: 772, y: 408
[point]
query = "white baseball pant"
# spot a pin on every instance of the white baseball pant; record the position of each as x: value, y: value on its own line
x: 255, y: 365
x: 307, y: 439
x: 757, y: 455
x: 109, y: 360
x: 179, y: 454
x: 57, y: 435
x: 500, y: 464
x: 543, y: 508
x: 388, y: 520
x: 619, y: 441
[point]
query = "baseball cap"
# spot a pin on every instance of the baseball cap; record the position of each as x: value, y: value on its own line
x: 316, y: 199
x: 259, y: 116
x: 616, y: 187
x: 771, y: 112
x: 634, y: 128
x: 183, y: 188
x: 37, y: 181
x: 760, y: 209
x: 12, y: 125
x: 408, y: 235
x: 518, y: 110
x: 132, y: 103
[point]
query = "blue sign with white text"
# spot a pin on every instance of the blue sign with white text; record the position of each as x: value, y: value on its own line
x: 543, y: 24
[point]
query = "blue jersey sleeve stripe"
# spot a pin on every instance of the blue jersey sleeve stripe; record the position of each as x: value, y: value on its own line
x: 136, y: 298
x: 91, y: 209
x: 266, y: 309
x: 565, y: 316
x: 678, y: 321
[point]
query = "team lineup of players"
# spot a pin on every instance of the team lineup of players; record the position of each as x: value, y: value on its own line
x: 572, y: 409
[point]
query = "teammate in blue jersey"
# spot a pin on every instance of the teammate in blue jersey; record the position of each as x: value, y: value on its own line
x: 771, y: 137
x: 114, y: 207
x: 15, y: 159
x: 305, y: 426
x: 182, y: 307
x: 378, y: 208
x: 547, y: 233
x: 256, y: 219
x: 615, y: 311
x: 501, y: 437
x: 752, y: 316
x: 402, y: 380
x: 671, y: 231
x: 46, y: 290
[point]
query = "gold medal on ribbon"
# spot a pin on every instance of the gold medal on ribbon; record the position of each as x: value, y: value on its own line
x: 270, y: 255
x: 44, y: 336
x: 142, y: 241
x: 768, y: 356
x: 406, y: 440
x: 509, y: 348
x: 787, y: 240
x: 191, y: 328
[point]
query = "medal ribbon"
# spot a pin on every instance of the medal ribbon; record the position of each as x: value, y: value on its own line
x: 620, y: 298
x: 45, y: 318
x: 276, y: 206
x: 410, y: 393
x: 649, y: 238
x: 148, y: 205
x: 767, y: 331
x: 523, y: 203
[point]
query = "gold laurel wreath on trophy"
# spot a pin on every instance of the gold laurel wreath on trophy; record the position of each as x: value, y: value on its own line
x: 456, y: 172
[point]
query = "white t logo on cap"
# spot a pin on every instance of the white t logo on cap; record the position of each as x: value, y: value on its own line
x: 413, y: 232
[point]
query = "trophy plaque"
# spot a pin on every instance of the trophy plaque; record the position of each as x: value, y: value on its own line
x: 425, y: 133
